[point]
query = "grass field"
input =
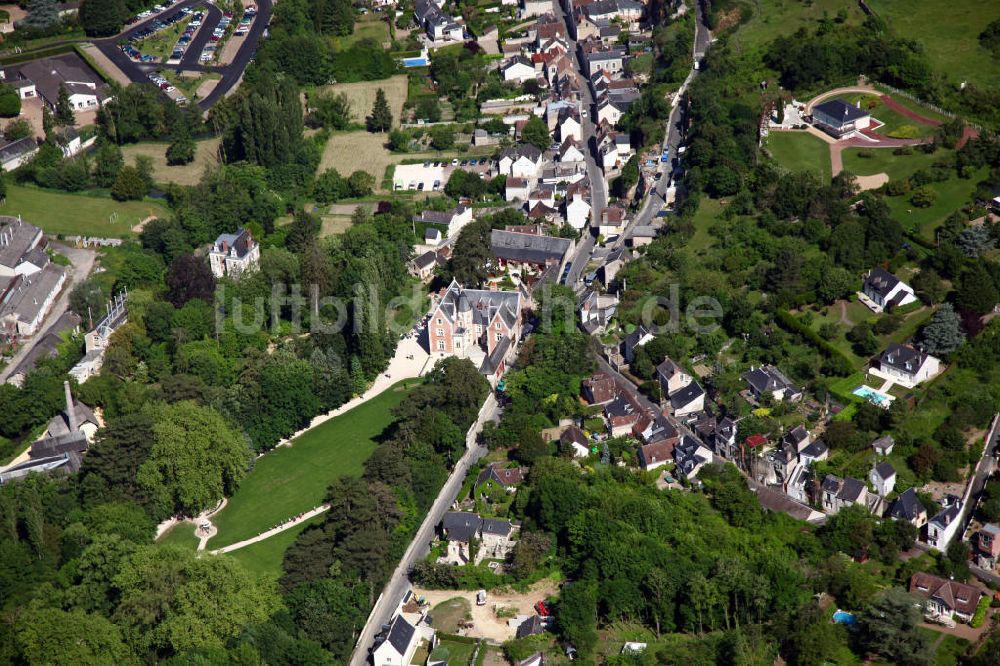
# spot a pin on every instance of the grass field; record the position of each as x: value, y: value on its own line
x: 894, y: 124
x: 362, y: 96
x: 370, y: 29
x: 77, y: 214
x: 882, y: 160
x: 179, y: 535
x: 448, y: 614
x: 800, y: 151
x: 187, y: 174
x: 772, y: 18
x: 293, y: 479
x: 949, y: 32
x: 459, y: 653
x: 265, y: 557
x: 708, y: 212
x: 334, y: 224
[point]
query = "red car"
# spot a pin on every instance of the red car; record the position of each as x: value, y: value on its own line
x: 542, y: 609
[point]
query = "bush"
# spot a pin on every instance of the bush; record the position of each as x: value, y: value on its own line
x: 10, y: 103
x: 980, y: 615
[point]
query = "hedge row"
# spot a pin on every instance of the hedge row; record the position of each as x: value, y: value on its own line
x: 843, y: 364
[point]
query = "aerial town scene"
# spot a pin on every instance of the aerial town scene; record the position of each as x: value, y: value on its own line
x: 500, y: 332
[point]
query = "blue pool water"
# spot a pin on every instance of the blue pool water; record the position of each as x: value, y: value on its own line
x: 843, y: 617
x: 415, y: 62
x: 871, y: 395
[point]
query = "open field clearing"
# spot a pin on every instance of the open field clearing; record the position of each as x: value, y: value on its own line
x: 187, y: 174
x: 362, y: 95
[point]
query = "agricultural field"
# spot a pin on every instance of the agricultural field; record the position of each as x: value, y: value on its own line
x: 801, y: 151
x: 362, y: 96
x: 949, y: 32
x: 62, y: 213
x: 293, y: 479
x: 187, y: 174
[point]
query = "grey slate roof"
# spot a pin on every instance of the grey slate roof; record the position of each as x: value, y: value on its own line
x: 815, y: 449
x: 880, y: 281
x: 885, y: 470
x: 904, y: 358
x: 29, y: 296
x: 907, y: 506
x: 18, y: 148
x: 686, y: 395
x: 17, y: 238
x: 838, y: 108
x: 851, y: 490
x: 528, y: 248
x: 400, y: 634
x: 460, y: 525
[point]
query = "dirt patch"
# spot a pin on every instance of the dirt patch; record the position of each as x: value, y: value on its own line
x: 872, y: 182
x: 207, y: 86
x: 728, y: 19
x: 450, y: 615
x: 109, y: 68
x: 485, y: 623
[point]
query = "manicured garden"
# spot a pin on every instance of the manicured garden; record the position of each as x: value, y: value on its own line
x: 800, y: 151
x: 894, y: 123
x: 293, y: 479
x: 66, y: 214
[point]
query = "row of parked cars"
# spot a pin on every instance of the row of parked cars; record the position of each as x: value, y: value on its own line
x: 164, y: 85
x: 163, y: 6
x: 129, y: 48
x: 180, y: 48
x: 244, y: 25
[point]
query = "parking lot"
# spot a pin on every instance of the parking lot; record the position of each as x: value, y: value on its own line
x: 432, y: 176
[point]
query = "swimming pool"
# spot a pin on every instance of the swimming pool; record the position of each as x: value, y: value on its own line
x: 872, y: 396
x: 843, y: 617
x: 415, y: 62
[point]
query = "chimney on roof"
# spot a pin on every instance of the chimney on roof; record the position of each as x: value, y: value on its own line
x: 70, y: 409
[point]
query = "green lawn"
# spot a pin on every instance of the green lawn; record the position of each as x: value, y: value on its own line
x: 448, y: 614
x: 179, y: 535
x: 293, y: 479
x: 870, y: 161
x: 77, y: 214
x: 950, y: 33
x: 800, y: 151
x: 709, y: 210
x: 377, y: 30
x: 265, y: 557
x: 459, y: 653
x: 894, y: 124
x: 772, y: 18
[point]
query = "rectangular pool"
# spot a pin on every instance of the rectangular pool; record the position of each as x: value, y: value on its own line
x: 873, y: 396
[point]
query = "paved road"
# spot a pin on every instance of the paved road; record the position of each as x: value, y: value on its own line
x: 83, y: 262
x: 598, y: 186
x: 656, y: 199
x: 231, y: 73
x: 398, y: 583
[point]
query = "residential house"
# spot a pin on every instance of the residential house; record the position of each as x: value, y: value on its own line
x: 798, y: 438
x: 987, y: 551
x: 908, y: 507
x: 672, y: 377
x: 626, y: 12
x: 905, y: 365
x: 522, y: 161
x: 652, y: 456
x: 943, y: 527
x: 575, y: 440
x: 478, y: 324
x: 569, y: 125
x: 600, y: 58
x: 76, y: 417
x: 46, y: 347
x: 599, y: 389
x: 531, y: 626
x: 21, y: 248
x: 688, y: 401
x: 84, y: 87
x: 839, y: 493
x: 621, y: 413
x: 516, y: 189
x: 611, y: 221
x: 25, y: 300
x: 454, y: 219
x: 422, y: 267
x: 642, y: 235
x: 691, y: 455
x: 813, y: 452
x: 15, y: 154
x: 571, y: 150
x: 518, y: 69
x: 608, y: 270
x: 432, y: 236
x: 577, y: 210
x: 398, y: 645
x: 885, y: 290
x: 634, y: 340
x: 719, y: 435
x: 883, y: 445
x: 840, y: 119
x: 767, y: 380
x: 596, y: 311
x: 883, y: 478
x: 946, y: 597
x: 233, y: 255
x: 529, y: 252
x: 508, y: 478
x: 460, y: 528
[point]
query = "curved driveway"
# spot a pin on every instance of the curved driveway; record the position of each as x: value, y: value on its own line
x: 231, y: 73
